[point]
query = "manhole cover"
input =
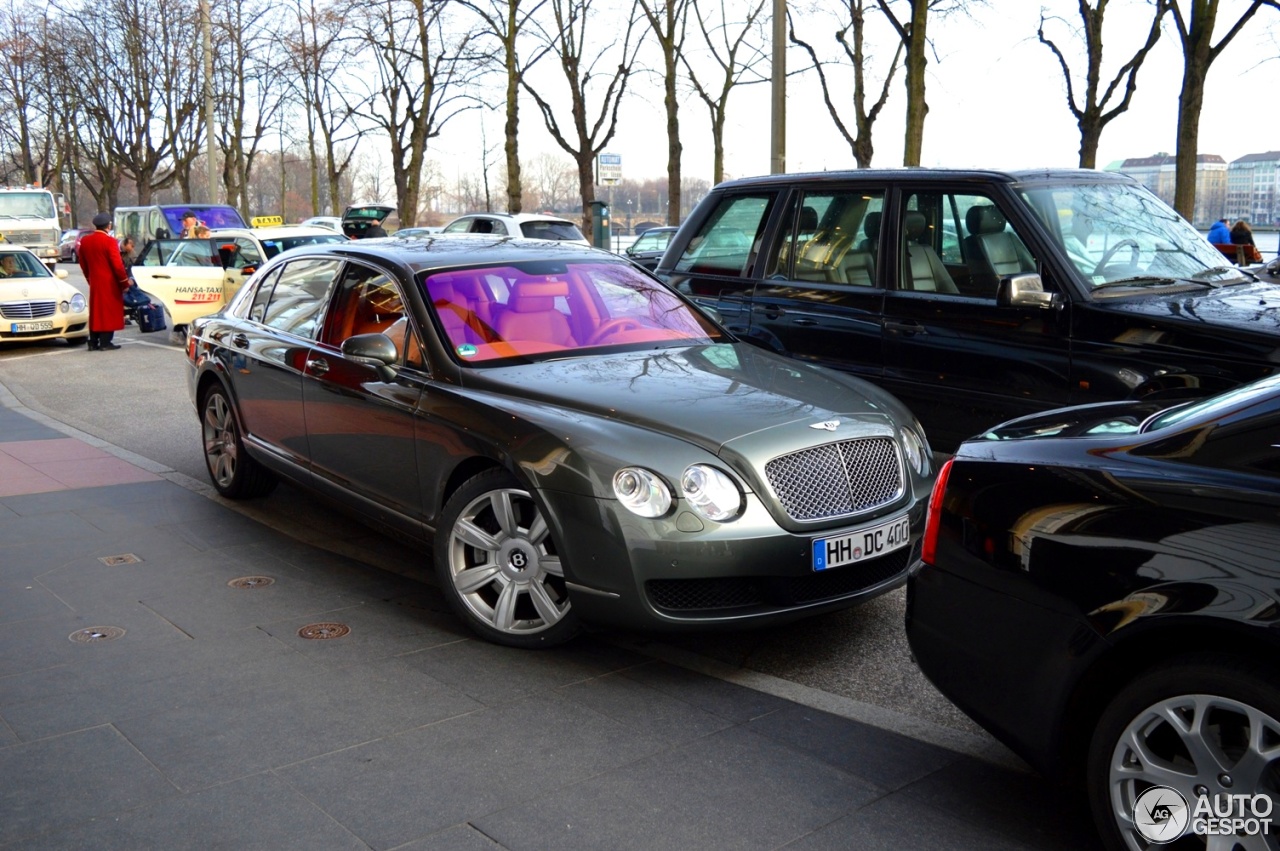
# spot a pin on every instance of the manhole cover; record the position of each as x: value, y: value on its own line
x: 324, y: 630
x: 127, y: 558
x: 252, y: 582
x: 94, y: 634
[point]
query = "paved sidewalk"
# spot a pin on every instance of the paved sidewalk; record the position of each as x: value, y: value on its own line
x: 148, y: 699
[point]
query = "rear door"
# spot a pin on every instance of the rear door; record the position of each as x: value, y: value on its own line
x: 184, y: 275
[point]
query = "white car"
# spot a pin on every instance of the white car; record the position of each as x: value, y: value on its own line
x: 527, y: 225
x: 35, y: 303
x: 333, y: 223
x: 195, y: 277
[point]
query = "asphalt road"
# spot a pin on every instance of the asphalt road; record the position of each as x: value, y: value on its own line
x: 136, y: 399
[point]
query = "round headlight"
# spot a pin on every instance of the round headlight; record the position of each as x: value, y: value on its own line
x: 78, y: 304
x: 641, y: 491
x: 711, y: 492
x: 916, y: 450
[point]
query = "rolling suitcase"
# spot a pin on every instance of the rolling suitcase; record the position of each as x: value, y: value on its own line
x: 150, y: 317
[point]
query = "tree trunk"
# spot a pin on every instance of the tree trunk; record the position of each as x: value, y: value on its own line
x: 674, y: 148
x: 916, y: 62
x: 515, y: 186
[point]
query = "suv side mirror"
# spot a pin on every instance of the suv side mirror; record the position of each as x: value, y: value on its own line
x: 1024, y: 291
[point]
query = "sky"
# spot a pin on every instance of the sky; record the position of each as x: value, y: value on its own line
x: 996, y: 99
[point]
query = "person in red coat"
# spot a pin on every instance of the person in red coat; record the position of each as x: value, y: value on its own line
x: 103, y: 268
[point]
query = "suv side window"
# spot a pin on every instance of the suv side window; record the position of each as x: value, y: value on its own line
x: 729, y: 238
x: 299, y: 296
x: 834, y: 239
x: 958, y: 244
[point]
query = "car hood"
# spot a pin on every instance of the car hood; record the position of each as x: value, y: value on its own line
x: 35, y: 289
x: 709, y: 396
x: 1249, y: 307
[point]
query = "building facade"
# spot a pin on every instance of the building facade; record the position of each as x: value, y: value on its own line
x: 1158, y: 173
x: 1253, y: 189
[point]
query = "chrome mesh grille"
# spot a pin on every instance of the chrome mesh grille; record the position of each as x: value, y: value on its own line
x: 837, y: 479
x: 28, y: 309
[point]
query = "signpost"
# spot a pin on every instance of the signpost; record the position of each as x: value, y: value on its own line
x: 608, y: 169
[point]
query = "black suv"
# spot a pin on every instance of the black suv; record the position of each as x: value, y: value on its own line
x: 978, y: 296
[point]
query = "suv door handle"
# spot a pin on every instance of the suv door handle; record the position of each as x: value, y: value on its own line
x: 909, y: 328
x: 317, y: 366
x: 804, y: 320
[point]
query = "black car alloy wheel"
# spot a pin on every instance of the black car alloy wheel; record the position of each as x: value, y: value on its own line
x: 1206, y: 727
x: 499, y: 567
x: 234, y: 473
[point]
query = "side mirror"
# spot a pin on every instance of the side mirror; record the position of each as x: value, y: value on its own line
x: 1024, y: 291
x: 248, y: 270
x: 61, y: 273
x: 376, y: 350
x: 630, y: 251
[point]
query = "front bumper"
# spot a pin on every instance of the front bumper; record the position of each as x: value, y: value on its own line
x: 683, y: 572
x: 64, y: 326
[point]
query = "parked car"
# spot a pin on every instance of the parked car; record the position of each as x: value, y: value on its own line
x: 35, y: 303
x: 979, y: 296
x: 194, y: 277
x: 528, y: 225
x: 1101, y: 590
x: 69, y: 246
x: 422, y: 231
x: 358, y: 218
x: 647, y: 250
x: 583, y: 444
x: 333, y: 223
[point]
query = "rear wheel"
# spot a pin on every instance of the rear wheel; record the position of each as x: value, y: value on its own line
x: 234, y: 473
x: 1204, y: 726
x: 499, y: 567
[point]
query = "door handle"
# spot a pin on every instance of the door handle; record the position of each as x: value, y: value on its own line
x: 773, y: 312
x: 240, y: 341
x: 317, y: 366
x: 908, y: 328
x: 804, y: 320
x: 161, y: 277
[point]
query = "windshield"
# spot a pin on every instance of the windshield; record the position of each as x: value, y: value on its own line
x: 21, y: 264
x: 212, y: 217
x: 31, y: 205
x: 1120, y: 231
x: 541, y: 307
x: 1182, y: 413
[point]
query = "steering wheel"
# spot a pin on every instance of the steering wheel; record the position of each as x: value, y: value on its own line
x: 614, y: 326
x: 1110, y: 252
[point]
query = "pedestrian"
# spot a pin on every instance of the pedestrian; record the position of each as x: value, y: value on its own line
x: 1219, y: 234
x: 103, y: 268
x: 1241, y: 234
x: 128, y: 250
x: 189, y: 225
x: 374, y: 229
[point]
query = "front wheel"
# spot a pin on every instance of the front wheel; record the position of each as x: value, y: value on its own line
x: 234, y: 473
x: 1201, y: 730
x: 499, y: 567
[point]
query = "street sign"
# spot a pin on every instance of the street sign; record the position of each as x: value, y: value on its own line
x: 608, y: 169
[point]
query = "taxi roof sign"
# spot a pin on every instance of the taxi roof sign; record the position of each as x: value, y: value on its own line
x: 266, y: 221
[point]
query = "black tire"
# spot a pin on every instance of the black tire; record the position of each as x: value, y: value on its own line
x: 1233, y: 697
x: 232, y: 471
x: 498, y: 566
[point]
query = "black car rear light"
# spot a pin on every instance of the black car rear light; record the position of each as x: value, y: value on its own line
x: 933, y: 520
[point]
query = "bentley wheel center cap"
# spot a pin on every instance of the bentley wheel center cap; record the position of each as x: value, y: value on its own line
x: 518, y: 559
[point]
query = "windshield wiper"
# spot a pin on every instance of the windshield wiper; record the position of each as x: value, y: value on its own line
x: 1149, y: 281
x: 1221, y: 270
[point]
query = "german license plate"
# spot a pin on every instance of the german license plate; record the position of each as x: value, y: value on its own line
x: 862, y: 544
x: 20, y: 327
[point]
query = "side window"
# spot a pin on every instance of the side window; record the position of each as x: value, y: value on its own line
x: 460, y: 226
x: 299, y: 295
x: 958, y: 244
x: 367, y: 302
x: 246, y: 254
x: 195, y: 252
x: 835, y: 238
x: 729, y: 237
x: 262, y: 296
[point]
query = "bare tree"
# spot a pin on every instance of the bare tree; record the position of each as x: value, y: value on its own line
x: 250, y: 88
x: 1092, y: 115
x: 24, y: 90
x: 421, y: 82
x: 551, y: 182
x: 316, y: 53
x: 667, y: 20
x: 583, y: 60
x: 736, y: 50
x: 851, y: 35
x: 505, y: 20
x: 1195, y: 31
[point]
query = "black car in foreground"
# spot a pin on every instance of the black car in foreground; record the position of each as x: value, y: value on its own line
x: 979, y: 296
x: 582, y: 443
x: 1101, y: 591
